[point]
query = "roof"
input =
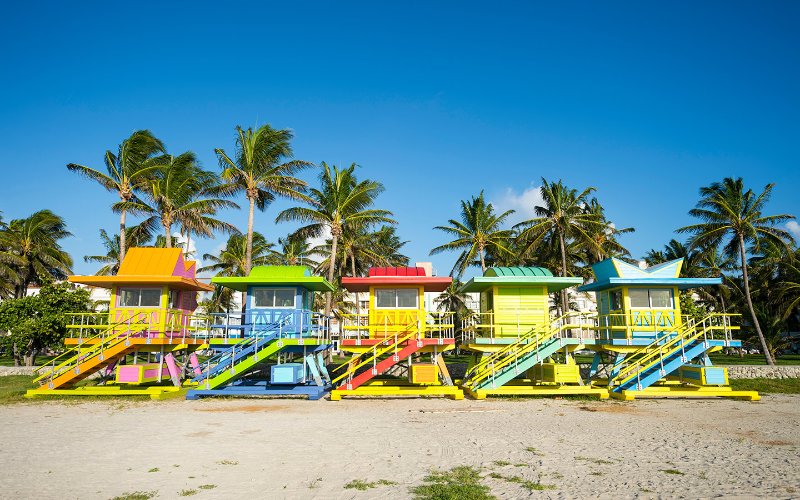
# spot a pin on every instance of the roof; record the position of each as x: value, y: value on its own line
x: 397, y: 276
x: 275, y: 276
x: 611, y: 273
x: 150, y: 266
x: 681, y: 283
x: 519, y: 277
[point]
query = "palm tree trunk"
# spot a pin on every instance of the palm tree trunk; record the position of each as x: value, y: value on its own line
x: 122, y: 235
x: 757, y: 325
x: 483, y: 260
x: 248, y: 259
x: 564, y: 304
x: 329, y: 295
x: 168, y: 235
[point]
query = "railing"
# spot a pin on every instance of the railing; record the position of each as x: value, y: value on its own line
x: 163, y: 323
x: 294, y: 323
x: 428, y: 325
x: 715, y: 326
x: 97, y: 345
x: 490, y: 324
x: 391, y: 343
x: 570, y: 325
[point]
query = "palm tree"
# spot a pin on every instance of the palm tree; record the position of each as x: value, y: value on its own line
x: 136, y: 236
x: 341, y: 201
x: 37, y: 255
x: 180, y: 192
x: 479, y: 231
x: 127, y: 172
x: 733, y: 216
x: 564, y: 217
x: 232, y: 261
x: 604, y: 235
x: 259, y: 170
x: 294, y: 251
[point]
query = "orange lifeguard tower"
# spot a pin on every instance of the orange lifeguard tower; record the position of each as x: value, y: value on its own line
x: 397, y: 345
x: 153, y: 298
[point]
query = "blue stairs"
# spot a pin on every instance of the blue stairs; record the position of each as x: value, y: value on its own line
x: 523, y: 363
x: 661, y: 367
x: 238, y: 352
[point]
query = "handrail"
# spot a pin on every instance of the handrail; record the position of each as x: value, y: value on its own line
x: 410, y: 332
x: 544, y: 330
x: 657, y: 350
x: 96, y: 348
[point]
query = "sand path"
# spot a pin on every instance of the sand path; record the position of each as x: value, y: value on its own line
x: 311, y: 449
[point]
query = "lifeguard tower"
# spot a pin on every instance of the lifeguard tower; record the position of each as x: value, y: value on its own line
x: 397, y: 345
x: 279, y: 348
x: 137, y: 343
x: 518, y: 349
x: 657, y: 351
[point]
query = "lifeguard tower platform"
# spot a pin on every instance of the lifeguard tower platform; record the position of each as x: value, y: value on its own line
x: 279, y: 348
x: 138, y: 343
x: 397, y: 345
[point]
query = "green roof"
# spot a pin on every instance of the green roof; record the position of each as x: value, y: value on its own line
x: 517, y: 271
x: 519, y: 277
x: 275, y: 276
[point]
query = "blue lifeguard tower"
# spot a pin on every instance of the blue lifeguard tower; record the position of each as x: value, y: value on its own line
x: 277, y: 346
x: 657, y: 351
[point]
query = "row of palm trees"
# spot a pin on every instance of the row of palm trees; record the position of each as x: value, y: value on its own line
x: 167, y: 190
x: 570, y: 232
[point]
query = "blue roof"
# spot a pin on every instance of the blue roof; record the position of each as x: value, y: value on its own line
x: 681, y: 283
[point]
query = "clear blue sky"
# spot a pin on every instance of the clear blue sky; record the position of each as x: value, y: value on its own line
x: 437, y: 100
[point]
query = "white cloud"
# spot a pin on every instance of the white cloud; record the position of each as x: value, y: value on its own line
x: 180, y: 241
x: 523, y: 203
x: 794, y: 228
x: 320, y: 240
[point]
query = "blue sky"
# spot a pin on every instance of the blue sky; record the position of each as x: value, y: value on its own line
x: 437, y: 100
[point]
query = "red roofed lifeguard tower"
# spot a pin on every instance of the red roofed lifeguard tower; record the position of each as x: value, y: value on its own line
x: 397, y: 345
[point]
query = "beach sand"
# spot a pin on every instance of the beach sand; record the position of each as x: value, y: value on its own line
x: 251, y: 448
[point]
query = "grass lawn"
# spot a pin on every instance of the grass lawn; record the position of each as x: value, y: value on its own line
x: 13, y: 387
x: 6, y: 360
x: 753, y: 359
x: 768, y: 385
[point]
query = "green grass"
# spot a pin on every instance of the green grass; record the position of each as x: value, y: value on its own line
x: 459, y: 483
x: 598, y: 461
x: 228, y: 462
x: 675, y: 472
x: 753, y: 359
x: 501, y: 463
x: 767, y: 385
x: 207, y: 486
x: 136, y: 495
x: 154, y: 469
x: 187, y: 493
x: 13, y: 387
x: 525, y: 483
x: 361, y: 485
x: 6, y: 360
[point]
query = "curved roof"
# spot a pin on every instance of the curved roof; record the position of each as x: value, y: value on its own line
x: 519, y: 277
x: 276, y: 276
x: 517, y: 271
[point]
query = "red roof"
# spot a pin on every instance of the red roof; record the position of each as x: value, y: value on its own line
x: 396, y: 271
x: 394, y: 276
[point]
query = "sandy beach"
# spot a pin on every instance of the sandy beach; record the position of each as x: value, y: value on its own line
x: 304, y: 449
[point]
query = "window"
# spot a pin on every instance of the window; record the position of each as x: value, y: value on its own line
x: 651, y: 298
x: 174, y: 299
x: 616, y: 300
x: 139, y: 297
x: 639, y: 298
x: 402, y: 298
x: 273, y: 297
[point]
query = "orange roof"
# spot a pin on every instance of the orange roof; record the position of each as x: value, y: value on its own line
x: 150, y: 266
